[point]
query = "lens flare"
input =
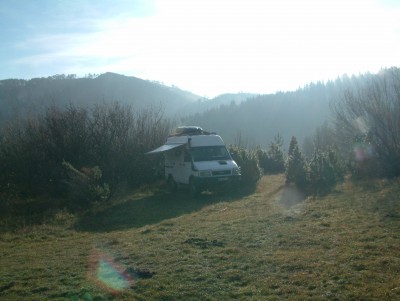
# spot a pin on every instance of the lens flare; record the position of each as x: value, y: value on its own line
x: 363, y: 151
x: 107, y: 273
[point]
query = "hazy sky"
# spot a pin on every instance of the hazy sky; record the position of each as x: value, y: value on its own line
x: 208, y: 47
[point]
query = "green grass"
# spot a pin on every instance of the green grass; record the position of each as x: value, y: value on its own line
x: 269, y: 245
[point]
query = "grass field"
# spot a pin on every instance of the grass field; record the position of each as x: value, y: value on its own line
x: 269, y: 245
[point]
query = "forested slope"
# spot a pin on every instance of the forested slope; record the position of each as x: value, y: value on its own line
x: 21, y: 98
x: 257, y: 120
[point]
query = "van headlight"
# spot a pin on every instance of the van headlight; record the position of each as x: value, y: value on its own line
x: 236, y: 171
x: 205, y: 173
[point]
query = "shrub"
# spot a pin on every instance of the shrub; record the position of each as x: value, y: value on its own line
x: 317, y: 176
x: 84, y: 186
x: 370, y: 115
x: 263, y: 160
x: 324, y: 172
x: 248, y: 162
x: 111, y: 136
x: 272, y: 161
x: 277, y: 160
x: 296, y: 166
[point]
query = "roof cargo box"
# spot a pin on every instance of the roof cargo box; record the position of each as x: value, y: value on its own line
x: 188, y: 131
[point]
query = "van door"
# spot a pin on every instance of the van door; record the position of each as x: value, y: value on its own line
x: 183, y: 167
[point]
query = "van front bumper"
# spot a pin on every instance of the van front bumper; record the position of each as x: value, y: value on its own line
x: 205, y: 182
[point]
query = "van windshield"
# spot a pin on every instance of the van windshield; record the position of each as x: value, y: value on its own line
x: 209, y: 153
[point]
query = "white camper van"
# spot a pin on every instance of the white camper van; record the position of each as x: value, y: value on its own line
x: 198, y: 159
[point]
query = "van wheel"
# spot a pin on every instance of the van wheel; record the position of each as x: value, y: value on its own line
x: 171, y: 184
x: 194, y: 189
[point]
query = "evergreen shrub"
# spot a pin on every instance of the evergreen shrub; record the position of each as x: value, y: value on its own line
x: 324, y: 172
x: 84, y: 186
x: 248, y: 163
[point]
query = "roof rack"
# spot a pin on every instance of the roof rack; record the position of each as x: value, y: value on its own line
x: 189, y: 131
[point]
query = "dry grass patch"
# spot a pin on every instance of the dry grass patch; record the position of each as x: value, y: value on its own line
x: 260, y: 246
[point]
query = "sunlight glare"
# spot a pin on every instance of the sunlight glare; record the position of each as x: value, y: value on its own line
x: 108, y: 274
x: 249, y: 46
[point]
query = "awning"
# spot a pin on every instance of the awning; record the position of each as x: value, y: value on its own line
x: 164, y: 148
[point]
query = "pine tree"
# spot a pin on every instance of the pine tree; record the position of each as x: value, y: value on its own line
x: 295, y: 165
x: 275, y: 154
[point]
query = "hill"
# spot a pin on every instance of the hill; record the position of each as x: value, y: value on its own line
x: 204, y: 104
x: 259, y: 118
x: 20, y: 98
x: 251, y: 118
x: 269, y: 245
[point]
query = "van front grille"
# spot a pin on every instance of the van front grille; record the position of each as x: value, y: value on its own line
x: 221, y: 172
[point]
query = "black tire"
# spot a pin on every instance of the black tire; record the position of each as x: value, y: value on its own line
x: 193, y: 188
x: 171, y: 184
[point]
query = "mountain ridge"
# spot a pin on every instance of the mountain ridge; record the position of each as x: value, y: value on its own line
x: 20, y: 98
x: 255, y: 117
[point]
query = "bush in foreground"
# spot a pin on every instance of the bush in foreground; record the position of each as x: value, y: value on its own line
x: 112, y: 137
x: 272, y: 161
x: 316, y: 176
x: 324, y: 172
x: 248, y: 163
x: 295, y: 169
x: 85, y: 186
